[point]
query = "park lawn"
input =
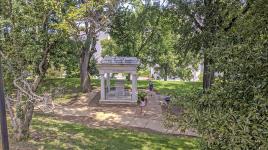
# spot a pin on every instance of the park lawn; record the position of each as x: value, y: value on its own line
x: 68, y: 88
x: 48, y: 133
x: 171, y: 87
x: 71, y: 87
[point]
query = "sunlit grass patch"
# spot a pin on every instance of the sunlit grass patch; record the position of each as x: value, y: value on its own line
x: 55, y: 134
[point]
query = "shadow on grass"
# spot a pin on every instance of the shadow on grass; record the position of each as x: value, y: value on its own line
x: 64, y: 135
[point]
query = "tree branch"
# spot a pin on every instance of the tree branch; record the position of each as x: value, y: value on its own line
x: 196, y: 23
x: 233, y: 21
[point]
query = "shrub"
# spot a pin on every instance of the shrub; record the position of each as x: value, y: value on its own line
x: 233, y: 114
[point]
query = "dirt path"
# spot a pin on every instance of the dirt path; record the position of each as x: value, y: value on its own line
x: 96, y: 115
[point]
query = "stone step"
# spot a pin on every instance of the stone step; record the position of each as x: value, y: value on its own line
x: 113, y: 102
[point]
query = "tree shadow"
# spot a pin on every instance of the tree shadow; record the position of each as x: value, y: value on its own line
x: 64, y: 135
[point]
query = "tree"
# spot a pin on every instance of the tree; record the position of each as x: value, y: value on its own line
x: 232, y: 113
x: 203, y: 20
x: 166, y: 51
x: 148, y: 32
x: 85, y: 19
x: 29, y: 35
x: 132, y: 29
x: 200, y: 20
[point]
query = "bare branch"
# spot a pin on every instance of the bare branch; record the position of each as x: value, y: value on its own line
x: 44, y: 102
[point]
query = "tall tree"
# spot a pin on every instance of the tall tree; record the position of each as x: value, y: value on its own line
x: 29, y: 35
x: 232, y: 113
x: 132, y: 28
x: 84, y: 21
x: 203, y: 20
x: 199, y: 19
x: 149, y: 32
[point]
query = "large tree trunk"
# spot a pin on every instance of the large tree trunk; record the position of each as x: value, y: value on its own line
x: 22, y: 128
x: 87, y: 52
x: 23, y: 121
x: 165, y: 78
x: 165, y: 73
x: 209, y: 26
x: 24, y: 113
x: 208, y: 74
x: 21, y: 131
x: 84, y: 76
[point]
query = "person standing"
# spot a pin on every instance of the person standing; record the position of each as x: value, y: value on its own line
x: 151, y: 85
x: 143, y: 103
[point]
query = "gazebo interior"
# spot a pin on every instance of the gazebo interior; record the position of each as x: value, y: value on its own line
x: 117, y: 68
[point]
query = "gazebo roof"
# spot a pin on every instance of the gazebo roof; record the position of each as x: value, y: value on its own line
x: 120, y: 60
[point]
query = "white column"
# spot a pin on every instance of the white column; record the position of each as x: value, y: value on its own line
x: 102, y: 87
x: 134, y: 87
x: 108, y: 83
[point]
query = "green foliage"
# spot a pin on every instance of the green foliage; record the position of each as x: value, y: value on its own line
x: 150, y: 33
x: 200, y: 77
x: 233, y: 113
x: 127, y: 32
x: 144, y: 72
x: 30, y: 43
x: 27, y: 31
x: 93, y: 67
x: 109, y: 48
x: 70, y: 59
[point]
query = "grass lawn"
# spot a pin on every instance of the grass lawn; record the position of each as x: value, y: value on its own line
x: 71, y: 87
x: 51, y: 134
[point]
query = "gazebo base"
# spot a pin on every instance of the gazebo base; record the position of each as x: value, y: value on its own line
x: 121, y: 101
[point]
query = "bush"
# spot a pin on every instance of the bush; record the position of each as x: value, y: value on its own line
x: 233, y: 114
x: 226, y: 118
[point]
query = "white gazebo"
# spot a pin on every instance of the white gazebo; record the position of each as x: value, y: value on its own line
x: 110, y: 65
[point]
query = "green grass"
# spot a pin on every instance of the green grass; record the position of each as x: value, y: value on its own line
x: 71, y: 87
x: 171, y: 87
x: 49, y: 133
x: 55, y: 134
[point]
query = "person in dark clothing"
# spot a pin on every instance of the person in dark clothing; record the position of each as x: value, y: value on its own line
x: 151, y: 86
